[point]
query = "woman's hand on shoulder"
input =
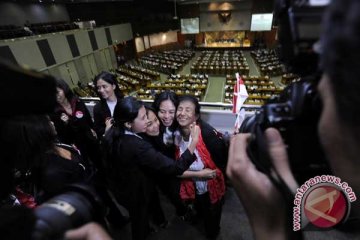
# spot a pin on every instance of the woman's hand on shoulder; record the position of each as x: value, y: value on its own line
x: 194, y: 132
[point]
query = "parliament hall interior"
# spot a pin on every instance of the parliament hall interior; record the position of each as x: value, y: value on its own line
x: 166, y: 58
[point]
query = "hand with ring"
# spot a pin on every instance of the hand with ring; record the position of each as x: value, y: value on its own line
x: 208, y: 173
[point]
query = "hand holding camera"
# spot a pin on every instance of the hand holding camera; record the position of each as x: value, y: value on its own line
x: 261, y: 198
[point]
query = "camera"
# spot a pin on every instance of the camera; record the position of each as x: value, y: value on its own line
x: 78, y: 205
x: 295, y: 113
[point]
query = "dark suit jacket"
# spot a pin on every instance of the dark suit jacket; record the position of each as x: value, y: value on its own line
x: 101, y: 113
x: 133, y: 158
x: 215, y: 144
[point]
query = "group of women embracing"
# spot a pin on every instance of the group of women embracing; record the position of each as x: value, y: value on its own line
x: 128, y: 150
x: 165, y: 144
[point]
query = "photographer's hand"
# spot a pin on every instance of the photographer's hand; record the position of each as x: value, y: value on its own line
x: 264, y: 204
x: 90, y: 231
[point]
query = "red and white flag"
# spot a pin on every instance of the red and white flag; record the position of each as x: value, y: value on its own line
x: 240, y: 94
x: 239, y: 97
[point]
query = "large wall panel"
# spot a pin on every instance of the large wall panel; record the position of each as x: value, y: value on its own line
x: 121, y: 32
x: 6, y: 53
x: 101, y: 38
x: 83, y: 78
x: 113, y: 57
x: 55, y: 71
x: 28, y: 53
x: 83, y: 42
x: 92, y: 65
x: 60, y: 48
x: 88, y: 68
x: 100, y: 61
x: 26, y: 50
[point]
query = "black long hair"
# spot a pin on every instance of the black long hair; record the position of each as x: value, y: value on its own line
x: 126, y: 110
x: 26, y: 140
x: 111, y: 79
x: 60, y: 83
x: 159, y: 98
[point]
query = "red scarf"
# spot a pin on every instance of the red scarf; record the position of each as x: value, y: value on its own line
x: 216, y: 186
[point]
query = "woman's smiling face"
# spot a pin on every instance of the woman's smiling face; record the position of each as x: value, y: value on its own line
x: 167, y: 112
x: 185, y: 114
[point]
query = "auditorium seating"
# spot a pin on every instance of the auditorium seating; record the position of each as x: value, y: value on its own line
x: 220, y: 63
x: 168, y: 62
x: 259, y: 88
x: 41, y: 28
x: 12, y: 31
x: 267, y: 62
x: 194, y: 84
x: 288, y: 78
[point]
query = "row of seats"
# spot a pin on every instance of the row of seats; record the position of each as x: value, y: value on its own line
x: 12, y: 31
x: 132, y: 78
x: 267, y: 62
x: 288, y: 78
x: 220, y: 63
x: 194, y: 84
x: 169, y: 62
x: 259, y: 88
x: 150, y: 73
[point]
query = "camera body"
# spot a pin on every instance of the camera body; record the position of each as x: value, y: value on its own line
x: 295, y: 113
x: 78, y: 205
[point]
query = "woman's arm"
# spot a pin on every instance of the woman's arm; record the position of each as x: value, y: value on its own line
x: 205, y: 173
x: 147, y: 156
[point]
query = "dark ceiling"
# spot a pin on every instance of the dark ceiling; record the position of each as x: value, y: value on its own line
x: 92, y: 1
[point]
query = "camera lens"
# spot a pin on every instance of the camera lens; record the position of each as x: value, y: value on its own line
x: 66, y: 211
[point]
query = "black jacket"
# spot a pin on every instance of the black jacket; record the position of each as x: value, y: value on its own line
x: 133, y: 160
x: 132, y: 163
x: 101, y: 113
x: 79, y: 126
x: 77, y: 130
x: 215, y: 144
